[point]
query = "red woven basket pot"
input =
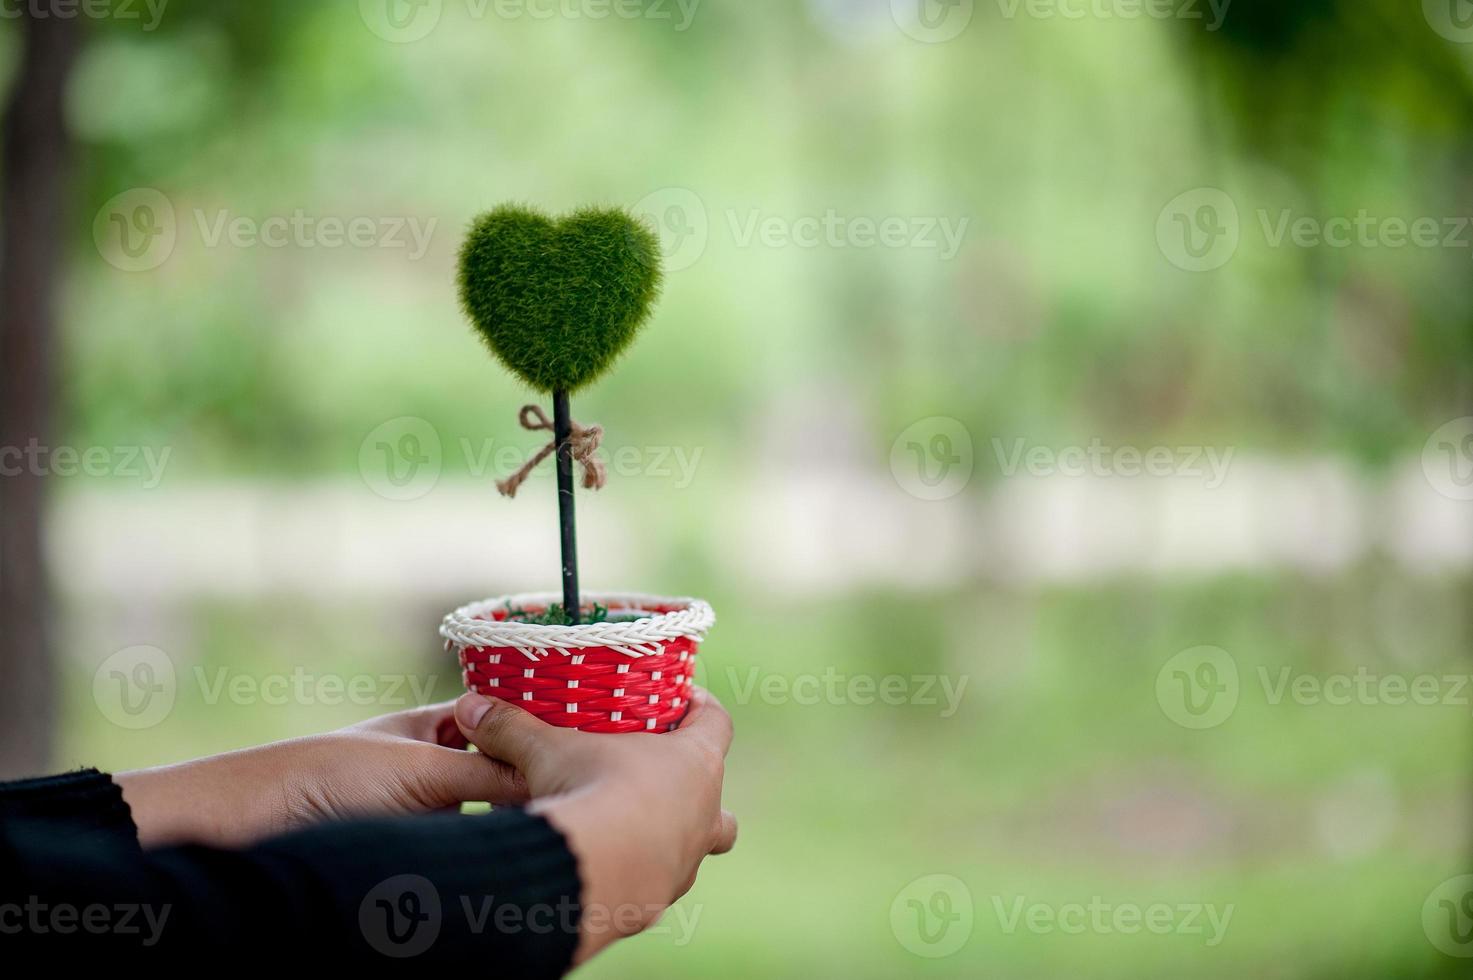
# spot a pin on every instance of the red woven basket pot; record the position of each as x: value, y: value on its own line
x: 631, y: 676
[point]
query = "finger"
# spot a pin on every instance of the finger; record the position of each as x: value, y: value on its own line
x: 726, y: 833
x: 423, y: 724
x: 449, y: 734
x: 503, y: 731
x: 471, y: 778
x: 707, y: 722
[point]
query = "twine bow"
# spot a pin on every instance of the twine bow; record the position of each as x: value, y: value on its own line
x: 583, y: 441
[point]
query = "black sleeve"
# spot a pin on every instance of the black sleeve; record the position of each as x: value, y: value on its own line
x: 499, y: 892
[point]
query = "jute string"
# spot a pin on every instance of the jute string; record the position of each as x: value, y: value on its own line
x: 584, y: 443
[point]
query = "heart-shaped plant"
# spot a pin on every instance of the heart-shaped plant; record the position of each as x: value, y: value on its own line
x: 558, y: 301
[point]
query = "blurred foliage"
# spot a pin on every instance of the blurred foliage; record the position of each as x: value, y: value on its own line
x: 1059, y: 141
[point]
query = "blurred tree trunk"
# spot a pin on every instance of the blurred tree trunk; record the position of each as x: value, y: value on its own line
x: 36, y: 164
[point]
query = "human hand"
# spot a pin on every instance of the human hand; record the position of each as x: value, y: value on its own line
x: 404, y: 763
x: 640, y: 811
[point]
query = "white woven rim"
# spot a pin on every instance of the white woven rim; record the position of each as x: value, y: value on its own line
x: 639, y: 638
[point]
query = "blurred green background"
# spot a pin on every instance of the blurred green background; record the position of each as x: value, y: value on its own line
x: 1122, y: 184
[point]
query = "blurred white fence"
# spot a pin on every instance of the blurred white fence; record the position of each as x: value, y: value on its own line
x: 810, y: 533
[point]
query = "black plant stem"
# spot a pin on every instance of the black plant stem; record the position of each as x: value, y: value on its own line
x: 562, y: 428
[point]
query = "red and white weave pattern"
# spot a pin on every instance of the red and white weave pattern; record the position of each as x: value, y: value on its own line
x: 603, y: 677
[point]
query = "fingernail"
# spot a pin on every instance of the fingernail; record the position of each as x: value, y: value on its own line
x: 470, y: 709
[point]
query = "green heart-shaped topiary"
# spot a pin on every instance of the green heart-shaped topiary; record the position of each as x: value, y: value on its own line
x: 558, y: 301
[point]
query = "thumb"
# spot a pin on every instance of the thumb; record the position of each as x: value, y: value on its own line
x: 503, y: 731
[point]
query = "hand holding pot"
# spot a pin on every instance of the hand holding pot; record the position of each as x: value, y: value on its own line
x: 640, y: 813
x: 397, y: 765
